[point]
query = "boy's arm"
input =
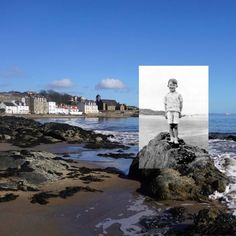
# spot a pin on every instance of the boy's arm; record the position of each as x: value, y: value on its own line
x: 165, y: 102
x: 180, y: 105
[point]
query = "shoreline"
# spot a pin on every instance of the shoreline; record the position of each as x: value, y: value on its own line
x: 108, y: 114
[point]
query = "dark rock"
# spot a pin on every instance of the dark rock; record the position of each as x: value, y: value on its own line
x: 28, y: 133
x: 70, y: 191
x: 42, y: 197
x: 180, y: 173
x: 112, y: 170
x: 26, y: 170
x: 25, y: 152
x: 49, y: 139
x: 117, y: 155
x: 105, y: 145
x: 8, y: 197
x: 64, y: 160
x: 85, y: 170
x: 72, y: 134
x: 169, y: 184
x: 25, y: 167
x: 212, y: 222
x: 177, y: 213
x: 177, y: 222
x: 226, y: 136
x: 159, y: 153
x: 91, y: 178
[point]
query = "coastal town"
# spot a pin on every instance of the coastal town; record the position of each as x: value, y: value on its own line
x: 17, y: 103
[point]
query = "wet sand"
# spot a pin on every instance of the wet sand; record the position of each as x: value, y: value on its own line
x: 76, y: 215
x: 115, y: 211
x: 54, y: 148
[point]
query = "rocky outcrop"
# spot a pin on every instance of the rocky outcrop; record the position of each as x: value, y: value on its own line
x: 29, y: 170
x: 209, y: 222
x: 24, y: 170
x: 24, y: 132
x: 181, y: 221
x: 177, y: 172
x: 159, y: 153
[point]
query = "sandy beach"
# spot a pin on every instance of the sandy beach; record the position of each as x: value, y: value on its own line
x: 76, y: 215
x: 59, y: 148
x: 68, y: 216
x: 194, y: 130
x: 84, y: 213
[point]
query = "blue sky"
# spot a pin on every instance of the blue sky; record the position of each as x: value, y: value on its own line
x: 95, y: 46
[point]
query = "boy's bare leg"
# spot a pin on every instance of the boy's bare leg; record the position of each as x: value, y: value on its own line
x: 175, y: 131
x: 171, y: 133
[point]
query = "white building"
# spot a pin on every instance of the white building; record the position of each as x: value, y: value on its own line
x: 88, y: 106
x: 9, y: 107
x: 62, y: 110
x: 52, y: 108
x: 73, y: 110
x: 14, y: 107
x: 21, y: 107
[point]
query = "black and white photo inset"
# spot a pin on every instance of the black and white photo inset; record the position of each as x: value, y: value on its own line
x: 173, y: 117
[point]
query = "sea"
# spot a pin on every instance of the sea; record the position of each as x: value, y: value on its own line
x: 223, y: 152
x: 126, y: 131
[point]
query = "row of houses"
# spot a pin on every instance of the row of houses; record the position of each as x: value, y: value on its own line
x: 63, y: 109
x: 40, y: 105
x: 14, y: 107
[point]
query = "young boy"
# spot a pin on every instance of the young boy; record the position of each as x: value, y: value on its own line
x: 173, y: 107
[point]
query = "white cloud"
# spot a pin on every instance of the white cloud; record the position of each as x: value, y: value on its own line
x: 64, y: 83
x: 115, y: 84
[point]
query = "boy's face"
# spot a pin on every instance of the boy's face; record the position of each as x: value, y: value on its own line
x: 172, y: 87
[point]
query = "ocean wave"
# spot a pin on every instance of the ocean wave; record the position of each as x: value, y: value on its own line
x: 128, y: 138
x: 129, y: 225
x: 218, y: 147
x: 224, y: 156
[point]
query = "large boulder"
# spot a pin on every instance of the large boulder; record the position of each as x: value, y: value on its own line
x: 169, y: 171
x: 159, y: 153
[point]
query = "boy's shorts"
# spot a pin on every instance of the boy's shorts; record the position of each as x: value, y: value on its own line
x: 173, y: 117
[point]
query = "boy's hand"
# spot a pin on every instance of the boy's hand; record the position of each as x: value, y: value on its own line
x: 180, y: 115
x: 166, y: 116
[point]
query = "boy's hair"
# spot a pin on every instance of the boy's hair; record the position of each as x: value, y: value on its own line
x: 174, y: 81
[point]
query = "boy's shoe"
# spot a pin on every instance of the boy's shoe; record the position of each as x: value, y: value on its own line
x: 176, y: 141
x: 171, y: 140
